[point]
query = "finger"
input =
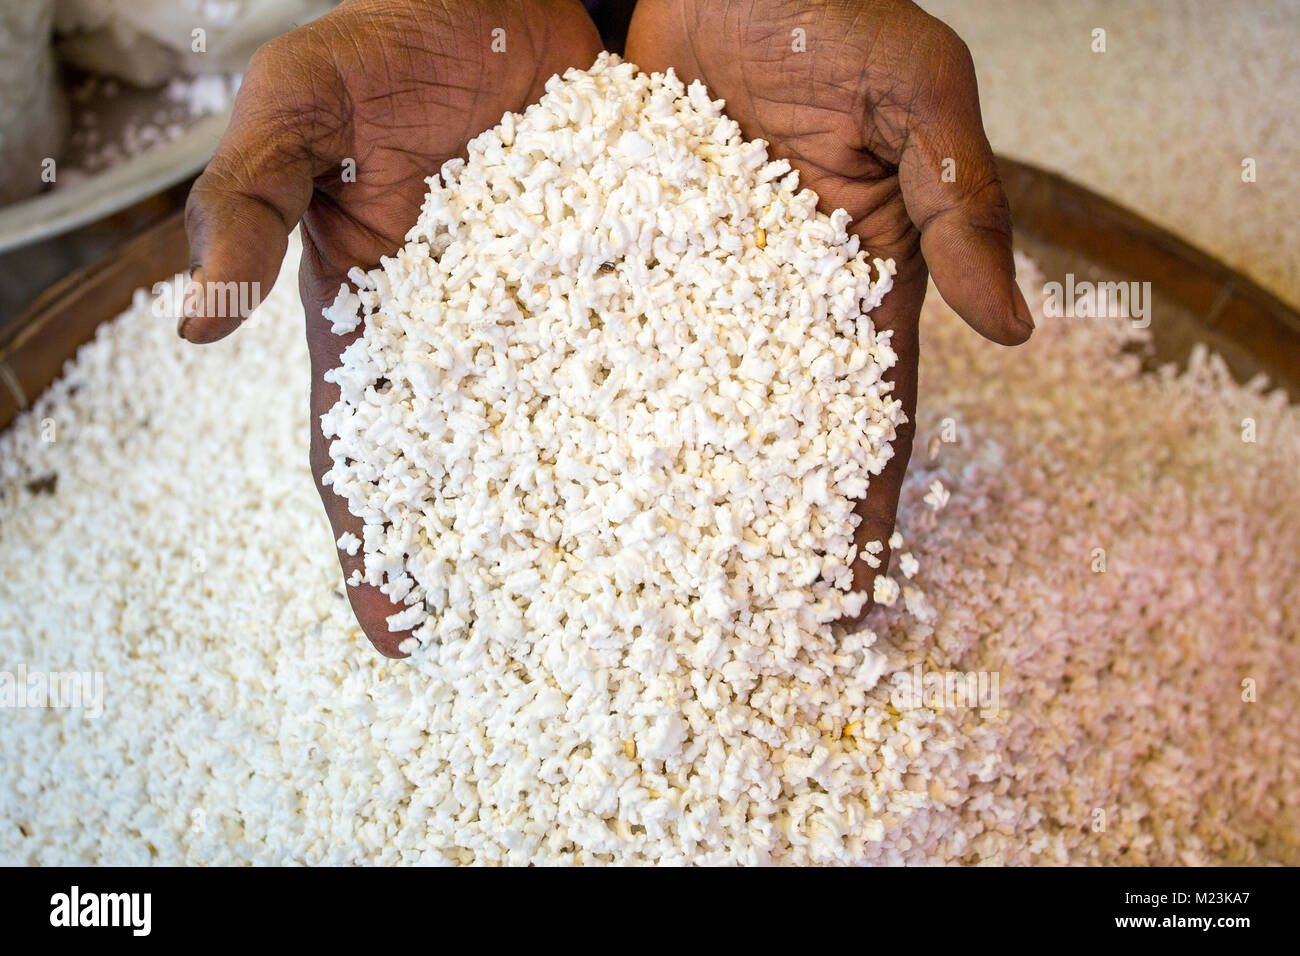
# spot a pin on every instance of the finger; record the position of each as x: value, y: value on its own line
x: 240, y: 212
x: 358, y: 223
x: 257, y: 186
x: 898, y: 314
x: 951, y: 188
x: 371, y: 606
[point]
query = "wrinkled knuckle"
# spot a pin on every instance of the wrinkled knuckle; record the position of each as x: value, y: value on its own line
x: 264, y: 66
x: 281, y: 77
x: 954, y: 57
x: 988, y: 208
x: 224, y: 175
x: 229, y: 171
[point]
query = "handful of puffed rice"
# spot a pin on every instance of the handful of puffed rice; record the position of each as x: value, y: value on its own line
x: 606, y: 423
x: 621, y: 360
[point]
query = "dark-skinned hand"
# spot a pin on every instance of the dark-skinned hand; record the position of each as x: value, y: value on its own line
x: 397, y: 87
x: 872, y: 101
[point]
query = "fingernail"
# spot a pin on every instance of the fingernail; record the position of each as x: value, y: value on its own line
x: 1023, y: 315
x: 192, y: 302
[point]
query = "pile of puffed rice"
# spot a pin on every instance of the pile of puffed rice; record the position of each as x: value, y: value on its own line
x: 606, y: 424
x: 573, y: 705
x: 619, y: 389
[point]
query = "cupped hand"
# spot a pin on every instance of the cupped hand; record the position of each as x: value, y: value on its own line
x: 336, y: 125
x: 874, y: 103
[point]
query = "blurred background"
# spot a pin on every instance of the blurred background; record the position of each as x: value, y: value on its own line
x: 108, y: 109
x: 1162, y: 120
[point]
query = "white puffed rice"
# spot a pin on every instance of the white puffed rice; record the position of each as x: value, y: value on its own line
x: 937, y: 496
x: 908, y: 564
x: 885, y: 590
x: 584, y: 392
x: 182, y: 552
x: 607, y: 445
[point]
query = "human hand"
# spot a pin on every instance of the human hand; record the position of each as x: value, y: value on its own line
x: 397, y: 87
x: 872, y: 101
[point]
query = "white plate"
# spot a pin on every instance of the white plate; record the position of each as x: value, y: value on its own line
x: 123, y: 185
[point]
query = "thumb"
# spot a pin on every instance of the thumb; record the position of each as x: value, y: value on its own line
x: 950, y: 186
x: 254, y: 191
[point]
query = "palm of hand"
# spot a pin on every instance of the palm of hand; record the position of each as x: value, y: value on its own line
x: 407, y: 88
x: 794, y: 75
x: 870, y: 100
x: 878, y: 95
x: 337, y: 124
